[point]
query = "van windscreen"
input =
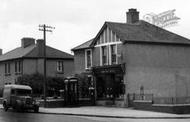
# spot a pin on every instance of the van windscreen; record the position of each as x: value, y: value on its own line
x: 22, y: 92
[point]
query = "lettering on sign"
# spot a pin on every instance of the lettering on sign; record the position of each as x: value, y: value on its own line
x: 163, y: 20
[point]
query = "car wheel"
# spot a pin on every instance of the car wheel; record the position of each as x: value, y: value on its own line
x: 5, y: 107
x: 18, y: 107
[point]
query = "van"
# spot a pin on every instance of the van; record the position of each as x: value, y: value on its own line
x: 19, y: 97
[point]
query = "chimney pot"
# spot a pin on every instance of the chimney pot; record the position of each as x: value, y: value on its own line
x: 132, y: 16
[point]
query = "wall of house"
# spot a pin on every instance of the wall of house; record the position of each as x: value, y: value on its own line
x: 32, y: 66
x: 29, y: 66
x: 79, y: 61
x: 1, y: 75
x: 68, y: 67
x: 161, y: 69
x: 52, y: 68
x: 79, y: 58
x: 8, y: 79
x: 119, y: 54
x: 96, y: 56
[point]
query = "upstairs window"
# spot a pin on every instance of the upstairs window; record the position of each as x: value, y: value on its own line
x: 113, y: 54
x: 7, y: 68
x: 60, y: 67
x: 88, y: 59
x: 18, y: 67
x: 104, y: 55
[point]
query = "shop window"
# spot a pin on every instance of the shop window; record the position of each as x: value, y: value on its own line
x: 107, y: 88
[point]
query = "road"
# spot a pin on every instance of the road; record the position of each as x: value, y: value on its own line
x: 12, y: 116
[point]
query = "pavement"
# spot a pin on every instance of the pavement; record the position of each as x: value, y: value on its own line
x: 110, y: 112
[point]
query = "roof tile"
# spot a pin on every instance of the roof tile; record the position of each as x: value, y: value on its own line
x: 31, y: 52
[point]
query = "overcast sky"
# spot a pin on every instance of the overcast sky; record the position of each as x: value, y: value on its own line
x: 76, y: 21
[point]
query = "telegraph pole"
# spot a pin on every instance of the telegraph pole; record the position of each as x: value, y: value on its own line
x: 45, y: 29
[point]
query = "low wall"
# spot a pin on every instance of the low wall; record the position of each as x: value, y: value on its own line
x: 85, y: 102
x: 115, y: 103
x: 54, y: 103
x: 168, y: 108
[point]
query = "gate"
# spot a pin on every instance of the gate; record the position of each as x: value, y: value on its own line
x: 71, y: 91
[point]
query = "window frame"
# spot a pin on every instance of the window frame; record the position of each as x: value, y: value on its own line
x: 104, y: 48
x: 18, y: 67
x: 60, y: 66
x: 86, y: 59
x: 111, y: 55
x: 7, y: 68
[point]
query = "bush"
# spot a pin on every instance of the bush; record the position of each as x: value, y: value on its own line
x: 84, y: 84
x: 36, y: 81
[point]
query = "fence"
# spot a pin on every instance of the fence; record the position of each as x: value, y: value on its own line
x: 140, y: 96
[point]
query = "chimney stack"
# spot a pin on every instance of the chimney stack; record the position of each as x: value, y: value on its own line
x: 40, y: 47
x: 132, y: 16
x: 1, y: 51
x: 26, y: 41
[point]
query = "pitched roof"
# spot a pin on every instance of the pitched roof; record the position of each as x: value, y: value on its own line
x: 83, y: 46
x: 16, y: 53
x: 142, y: 32
x: 32, y: 52
x: 50, y: 53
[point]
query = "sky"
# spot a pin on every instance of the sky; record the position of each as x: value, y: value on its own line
x: 77, y: 21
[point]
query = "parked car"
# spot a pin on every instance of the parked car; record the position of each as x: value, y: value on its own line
x: 19, y: 97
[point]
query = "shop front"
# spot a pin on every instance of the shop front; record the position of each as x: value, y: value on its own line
x: 109, y: 85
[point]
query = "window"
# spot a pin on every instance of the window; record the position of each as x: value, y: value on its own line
x: 7, y: 68
x: 104, y: 55
x: 113, y: 54
x: 110, y: 35
x: 60, y: 66
x: 17, y: 67
x: 110, y: 86
x: 88, y: 58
